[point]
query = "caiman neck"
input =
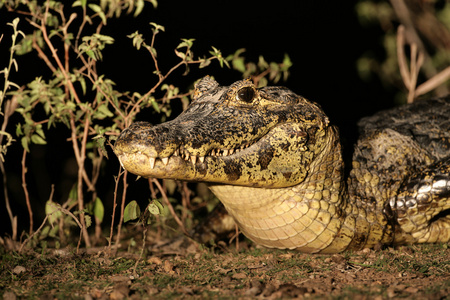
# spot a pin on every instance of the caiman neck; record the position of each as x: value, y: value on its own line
x: 313, y: 216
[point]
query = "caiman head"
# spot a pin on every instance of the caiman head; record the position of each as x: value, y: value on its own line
x: 236, y: 135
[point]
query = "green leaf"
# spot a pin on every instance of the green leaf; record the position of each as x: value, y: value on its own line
x: 96, y: 8
x: 99, y: 210
x: 72, y: 199
x: 88, y: 221
x: 139, y: 7
x: 24, y: 141
x: 36, y: 139
x: 52, y: 211
x: 132, y: 211
x: 204, y: 63
x: 103, y: 112
x: 153, y: 209
x: 160, y: 206
x: 40, y: 131
x: 19, y: 131
x: 100, y: 141
x: 186, y: 43
x: 157, y: 27
x: 137, y: 38
x: 180, y: 54
x: 155, y: 105
x: 239, y: 64
x: 79, y: 3
x: 153, y: 51
x: 287, y: 63
x: 82, y: 82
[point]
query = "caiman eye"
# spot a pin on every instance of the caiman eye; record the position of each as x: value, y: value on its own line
x: 246, y: 94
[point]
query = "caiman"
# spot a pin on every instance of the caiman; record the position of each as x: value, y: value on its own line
x: 275, y: 162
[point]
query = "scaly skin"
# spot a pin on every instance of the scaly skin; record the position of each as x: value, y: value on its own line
x: 275, y: 162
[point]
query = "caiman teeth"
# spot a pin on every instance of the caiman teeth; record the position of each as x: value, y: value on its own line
x: 187, y: 156
x: 152, y: 162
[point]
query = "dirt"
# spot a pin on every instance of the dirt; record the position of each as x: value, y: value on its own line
x: 184, y: 269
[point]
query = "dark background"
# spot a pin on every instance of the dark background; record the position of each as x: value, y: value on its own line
x: 323, y: 39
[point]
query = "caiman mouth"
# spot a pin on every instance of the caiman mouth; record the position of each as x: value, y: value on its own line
x: 180, y: 152
x: 142, y: 158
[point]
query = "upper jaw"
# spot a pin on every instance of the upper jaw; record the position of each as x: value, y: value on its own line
x: 135, y: 145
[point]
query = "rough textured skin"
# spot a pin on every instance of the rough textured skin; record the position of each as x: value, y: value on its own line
x: 275, y: 162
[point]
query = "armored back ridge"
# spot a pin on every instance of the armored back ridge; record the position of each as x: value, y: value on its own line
x: 275, y: 162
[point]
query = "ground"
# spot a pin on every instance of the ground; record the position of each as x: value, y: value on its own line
x: 184, y: 269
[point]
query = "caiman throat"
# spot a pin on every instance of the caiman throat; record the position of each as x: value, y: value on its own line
x: 275, y: 162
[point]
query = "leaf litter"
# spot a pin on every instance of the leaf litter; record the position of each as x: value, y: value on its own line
x: 185, y: 269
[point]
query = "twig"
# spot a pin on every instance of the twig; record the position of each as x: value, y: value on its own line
x: 34, y: 233
x: 257, y: 78
x: 433, y: 82
x: 12, y: 218
x: 185, y: 200
x: 10, y: 106
x: 42, y: 55
x: 40, y: 227
x: 61, y: 67
x: 141, y: 253
x: 401, y: 57
x: 162, y: 78
x: 25, y: 190
x: 111, y: 230
x: 416, y: 61
x: 409, y: 32
x: 80, y: 157
x: 169, y: 205
x: 415, y: 64
x: 122, y: 207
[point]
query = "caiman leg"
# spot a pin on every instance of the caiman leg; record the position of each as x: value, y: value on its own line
x: 423, y: 204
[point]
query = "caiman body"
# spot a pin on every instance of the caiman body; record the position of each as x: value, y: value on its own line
x: 275, y: 162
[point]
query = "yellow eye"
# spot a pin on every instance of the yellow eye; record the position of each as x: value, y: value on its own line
x: 246, y: 94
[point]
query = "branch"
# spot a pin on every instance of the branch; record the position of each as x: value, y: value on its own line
x: 433, y: 82
x: 25, y: 190
x: 54, y: 51
x: 169, y: 205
